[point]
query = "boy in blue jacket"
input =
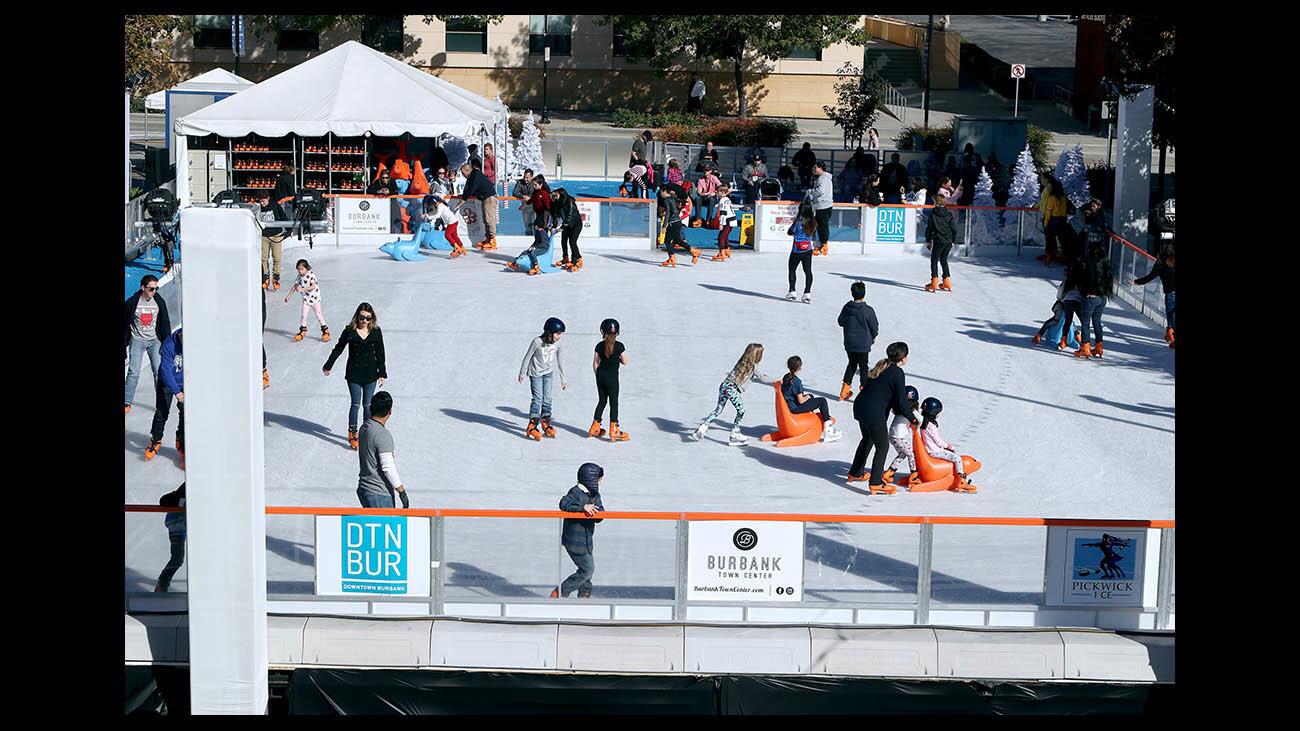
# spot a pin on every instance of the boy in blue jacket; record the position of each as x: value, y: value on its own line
x: 860, y: 329
x: 171, y: 381
x: 583, y: 497
x: 175, y: 523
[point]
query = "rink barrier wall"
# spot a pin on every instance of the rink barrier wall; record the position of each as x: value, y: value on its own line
x: 1157, y: 612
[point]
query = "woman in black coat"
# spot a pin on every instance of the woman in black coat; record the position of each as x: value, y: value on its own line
x: 366, y: 367
x: 884, y: 390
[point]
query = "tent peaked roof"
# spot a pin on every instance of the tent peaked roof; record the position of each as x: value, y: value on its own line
x: 216, y: 80
x: 349, y: 90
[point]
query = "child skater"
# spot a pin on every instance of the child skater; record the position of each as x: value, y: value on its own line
x: 541, y: 362
x: 576, y: 536
x: 860, y: 330
x: 801, y: 252
x: 900, y: 435
x: 440, y: 214
x: 541, y: 240
x: 610, y: 354
x: 306, y: 284
x: 936, y: 447
x: 675, y: 214
x: 1058, y: 309
x: 726, y: 219
x: 731, y: 388
x: 802, y: 403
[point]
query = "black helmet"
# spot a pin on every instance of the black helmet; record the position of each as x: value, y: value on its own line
x: 553, y: 325
x: 911, y: 393
x: 609, y: 325
x: 931, y: 407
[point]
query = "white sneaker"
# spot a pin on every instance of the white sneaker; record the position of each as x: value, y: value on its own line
x: 698, y: 433
x: 831, y: 434
x: 737, y: 439
x: 791, y: 296
x: 807, y: 298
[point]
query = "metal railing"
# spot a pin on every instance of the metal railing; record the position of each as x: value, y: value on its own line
x: 1128, y: 262
x: 855, y: 567
x: 894, y: 100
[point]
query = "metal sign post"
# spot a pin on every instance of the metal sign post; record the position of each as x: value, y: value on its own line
x: 1017, y: 73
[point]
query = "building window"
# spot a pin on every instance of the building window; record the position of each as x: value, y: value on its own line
x: 558, y: 34
x: 466, y: 35
x: 383, y: 33
x: 805, y: 52
x: 212, y: 31
x: 292, y: 37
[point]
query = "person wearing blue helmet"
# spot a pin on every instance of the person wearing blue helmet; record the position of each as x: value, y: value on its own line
x: 540, y: 364
x: 900, y: 435
x: 576, y: 537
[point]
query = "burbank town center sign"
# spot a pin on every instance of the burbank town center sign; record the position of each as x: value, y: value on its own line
x: 745, y: 561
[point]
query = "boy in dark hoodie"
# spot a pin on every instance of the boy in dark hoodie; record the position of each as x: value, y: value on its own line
x: 860, y: 329
x: 175, y: 523
x: 583, y: 497
x: 940, y: 235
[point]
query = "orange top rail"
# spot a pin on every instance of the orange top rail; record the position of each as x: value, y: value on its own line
x: 1130, y: 245
x: 652, y: 515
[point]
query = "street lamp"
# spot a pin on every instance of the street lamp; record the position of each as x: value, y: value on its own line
x: 546, y: 59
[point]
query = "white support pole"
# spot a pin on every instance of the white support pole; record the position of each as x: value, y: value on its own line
x: 183, y: 171
x: 1016, y: 112
x: 1133, y: 166
x: 226, y: 502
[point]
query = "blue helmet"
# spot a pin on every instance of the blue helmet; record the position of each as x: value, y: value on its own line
x: 609, y: 325
x: 931, y: 407
x: 589, y: 473
x: 553, y: 325
x: 912, y: 394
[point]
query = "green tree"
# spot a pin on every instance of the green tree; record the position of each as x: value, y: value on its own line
x: 664, y: 40
x: 858, y: 103
x: 1142, y: 52
x: 146, y: 51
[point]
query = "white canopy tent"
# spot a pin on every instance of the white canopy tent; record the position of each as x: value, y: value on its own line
x: 351, y: 90
x: 216, y: 81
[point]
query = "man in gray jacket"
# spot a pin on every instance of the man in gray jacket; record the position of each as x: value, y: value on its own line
x: 583, y: 497
x: 823, y: 198
x: 378, y: 477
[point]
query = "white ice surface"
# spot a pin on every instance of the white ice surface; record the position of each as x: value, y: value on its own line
x: 1058, y: 436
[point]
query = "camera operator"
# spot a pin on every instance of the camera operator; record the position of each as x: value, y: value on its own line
x: 286, y: 188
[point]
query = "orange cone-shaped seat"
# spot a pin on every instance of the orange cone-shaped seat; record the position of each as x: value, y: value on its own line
x: 936, y: 474
x: 401, y: 170
x: 793, y: 430
x: 379, y: 170
x: 420, y: 182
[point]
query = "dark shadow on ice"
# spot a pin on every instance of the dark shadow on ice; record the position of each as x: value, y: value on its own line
x: 672, y: 426
x: 305, y: 588
x: 632, y: 260
x: 495, y: 422
x: 874, y: 280
x: 523, y: 416
x: 299, y: 553
x: 302, y: 426
x: 1142, y: 408
x: 833, y: 471
x: 466, y: 576
x: 749, y: 293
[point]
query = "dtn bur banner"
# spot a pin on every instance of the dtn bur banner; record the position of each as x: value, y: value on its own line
x: 730, y: 560
x: 372, y: 555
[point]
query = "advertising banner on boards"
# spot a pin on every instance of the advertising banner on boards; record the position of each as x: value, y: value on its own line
x: 731, y: 560
x: 372, y: 555
x: 1096, y: 567
x: 364, y: 215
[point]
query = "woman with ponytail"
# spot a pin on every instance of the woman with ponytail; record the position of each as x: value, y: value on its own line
x: 885, y: 389
x: 609, y: 356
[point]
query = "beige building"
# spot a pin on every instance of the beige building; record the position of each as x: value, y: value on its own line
x: 587, y: 71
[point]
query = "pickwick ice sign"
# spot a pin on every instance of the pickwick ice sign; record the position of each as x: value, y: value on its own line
x: 1097, y: 566
x: 745, y: 561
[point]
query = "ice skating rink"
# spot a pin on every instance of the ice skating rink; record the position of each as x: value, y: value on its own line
x: 1058, y: 436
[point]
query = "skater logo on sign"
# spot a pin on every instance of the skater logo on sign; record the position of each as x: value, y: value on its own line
x: 889, y: 225
x: 1103, y: 568
x: 374, y: 554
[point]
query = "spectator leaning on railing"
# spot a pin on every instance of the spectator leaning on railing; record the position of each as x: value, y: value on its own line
x: 823, y: 201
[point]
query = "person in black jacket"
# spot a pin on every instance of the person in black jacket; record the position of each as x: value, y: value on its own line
x: 565, y: 210
x: 860, y: 329
x: 885, y: 389
x: 479, y: 187
x: 365, y: 343
x: 1096, y: 285
x: 1164, y: 268
x: 940, y: 235
x: 145, y: 325
x: 583, y: 497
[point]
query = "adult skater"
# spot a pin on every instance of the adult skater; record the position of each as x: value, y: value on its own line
x: 564, y: 208
x: 1163, y: 268
x: 803, y: 161
x: 523, y: 190
x: 145, y: 327
x: 885, y: 389
x: 576, y: 536
x: 858, y: 319
x: 541, y: 363
x: 731, y: 390
x: 175, y: 524
x: 823, y: 202
x: 366, y: 363
x: 610, y: 354
x: 1055, y: 226
x: 1097, y: 285
x: 940, y: 235
x: 478, y: 186
x: 170, y: 382
x: 378, y: 478
x: 675, y: 218
x: 801, y: 251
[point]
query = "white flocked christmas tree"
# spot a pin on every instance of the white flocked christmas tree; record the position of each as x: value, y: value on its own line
x: 528, y: 151
x: 987, y: 225
x: 1073, y: 174
x: 1024, y: 191
x: 457, y: 152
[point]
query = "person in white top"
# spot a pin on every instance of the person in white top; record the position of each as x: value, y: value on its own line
x: 440, y: 214
x: 873, y: 139
x: 541, y: 362
x: 696, y: 103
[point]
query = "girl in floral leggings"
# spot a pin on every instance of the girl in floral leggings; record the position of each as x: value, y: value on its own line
x: 730, y: 391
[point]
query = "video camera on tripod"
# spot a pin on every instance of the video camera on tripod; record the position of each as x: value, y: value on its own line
x: 161, y: 208
x: 308, y: 206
